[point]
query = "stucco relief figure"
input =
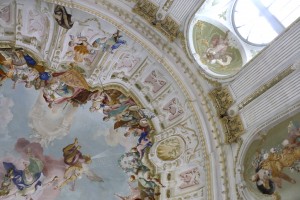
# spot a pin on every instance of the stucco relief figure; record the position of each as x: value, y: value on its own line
x: 190, y: 178
x: 81, y: 49
x: 170, y: 148
x: 62, y: 17
x: 5, y: 13
x: 174, y: 108
x: 77, y: 165
x: 156, y: 81
x: 87, y: 44
x: 127, y: 60
x: 38, y: 25
x: 269, y: 166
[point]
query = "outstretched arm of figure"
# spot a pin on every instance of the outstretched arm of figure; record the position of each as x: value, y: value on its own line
x: 67, y: 181
x: 69, y: 171
x: 76, y: 171
x: 286, y: 177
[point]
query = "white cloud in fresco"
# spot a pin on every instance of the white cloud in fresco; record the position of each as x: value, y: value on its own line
x: 115, y: 137
x: 6, y: 115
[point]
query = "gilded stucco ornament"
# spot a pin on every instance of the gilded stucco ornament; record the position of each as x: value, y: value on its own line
x: 222, y: 100
x: 165, y: 156
x: 168, y: 26
x: 233, y: 128
x: 230, y: 119
x: 170, y: 148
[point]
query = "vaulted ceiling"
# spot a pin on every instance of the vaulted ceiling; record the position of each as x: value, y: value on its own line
x: 138, y: 83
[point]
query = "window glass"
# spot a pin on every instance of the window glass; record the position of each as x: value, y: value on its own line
x: 258, y: 22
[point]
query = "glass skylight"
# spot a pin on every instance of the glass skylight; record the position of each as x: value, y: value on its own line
x: 258, y: 22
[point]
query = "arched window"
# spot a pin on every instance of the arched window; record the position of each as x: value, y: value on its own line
x: 258, y: 22
x: 224, y: 35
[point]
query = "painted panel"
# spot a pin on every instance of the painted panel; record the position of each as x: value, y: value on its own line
x: 216, y: 49
x: 106, y: 136
x: 272, y: 162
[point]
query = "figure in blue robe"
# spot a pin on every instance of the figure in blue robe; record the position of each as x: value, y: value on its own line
x: 28, y: 177
x: 29, y: 60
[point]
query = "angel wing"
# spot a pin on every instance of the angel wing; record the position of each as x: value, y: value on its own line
x: 92, y: 175
x: 74, y: 79
x: 119, y: 124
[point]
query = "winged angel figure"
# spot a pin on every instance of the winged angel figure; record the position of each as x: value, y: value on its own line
x: 78, y: 165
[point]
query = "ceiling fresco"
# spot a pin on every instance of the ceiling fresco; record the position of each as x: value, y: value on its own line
x: 216, y: 49
x: 110, y: 148
x: 272, y: 162
x: 32, y: 168
x: 87, y: 111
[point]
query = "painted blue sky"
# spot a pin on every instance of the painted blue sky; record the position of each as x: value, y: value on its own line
x: 87, y: 127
